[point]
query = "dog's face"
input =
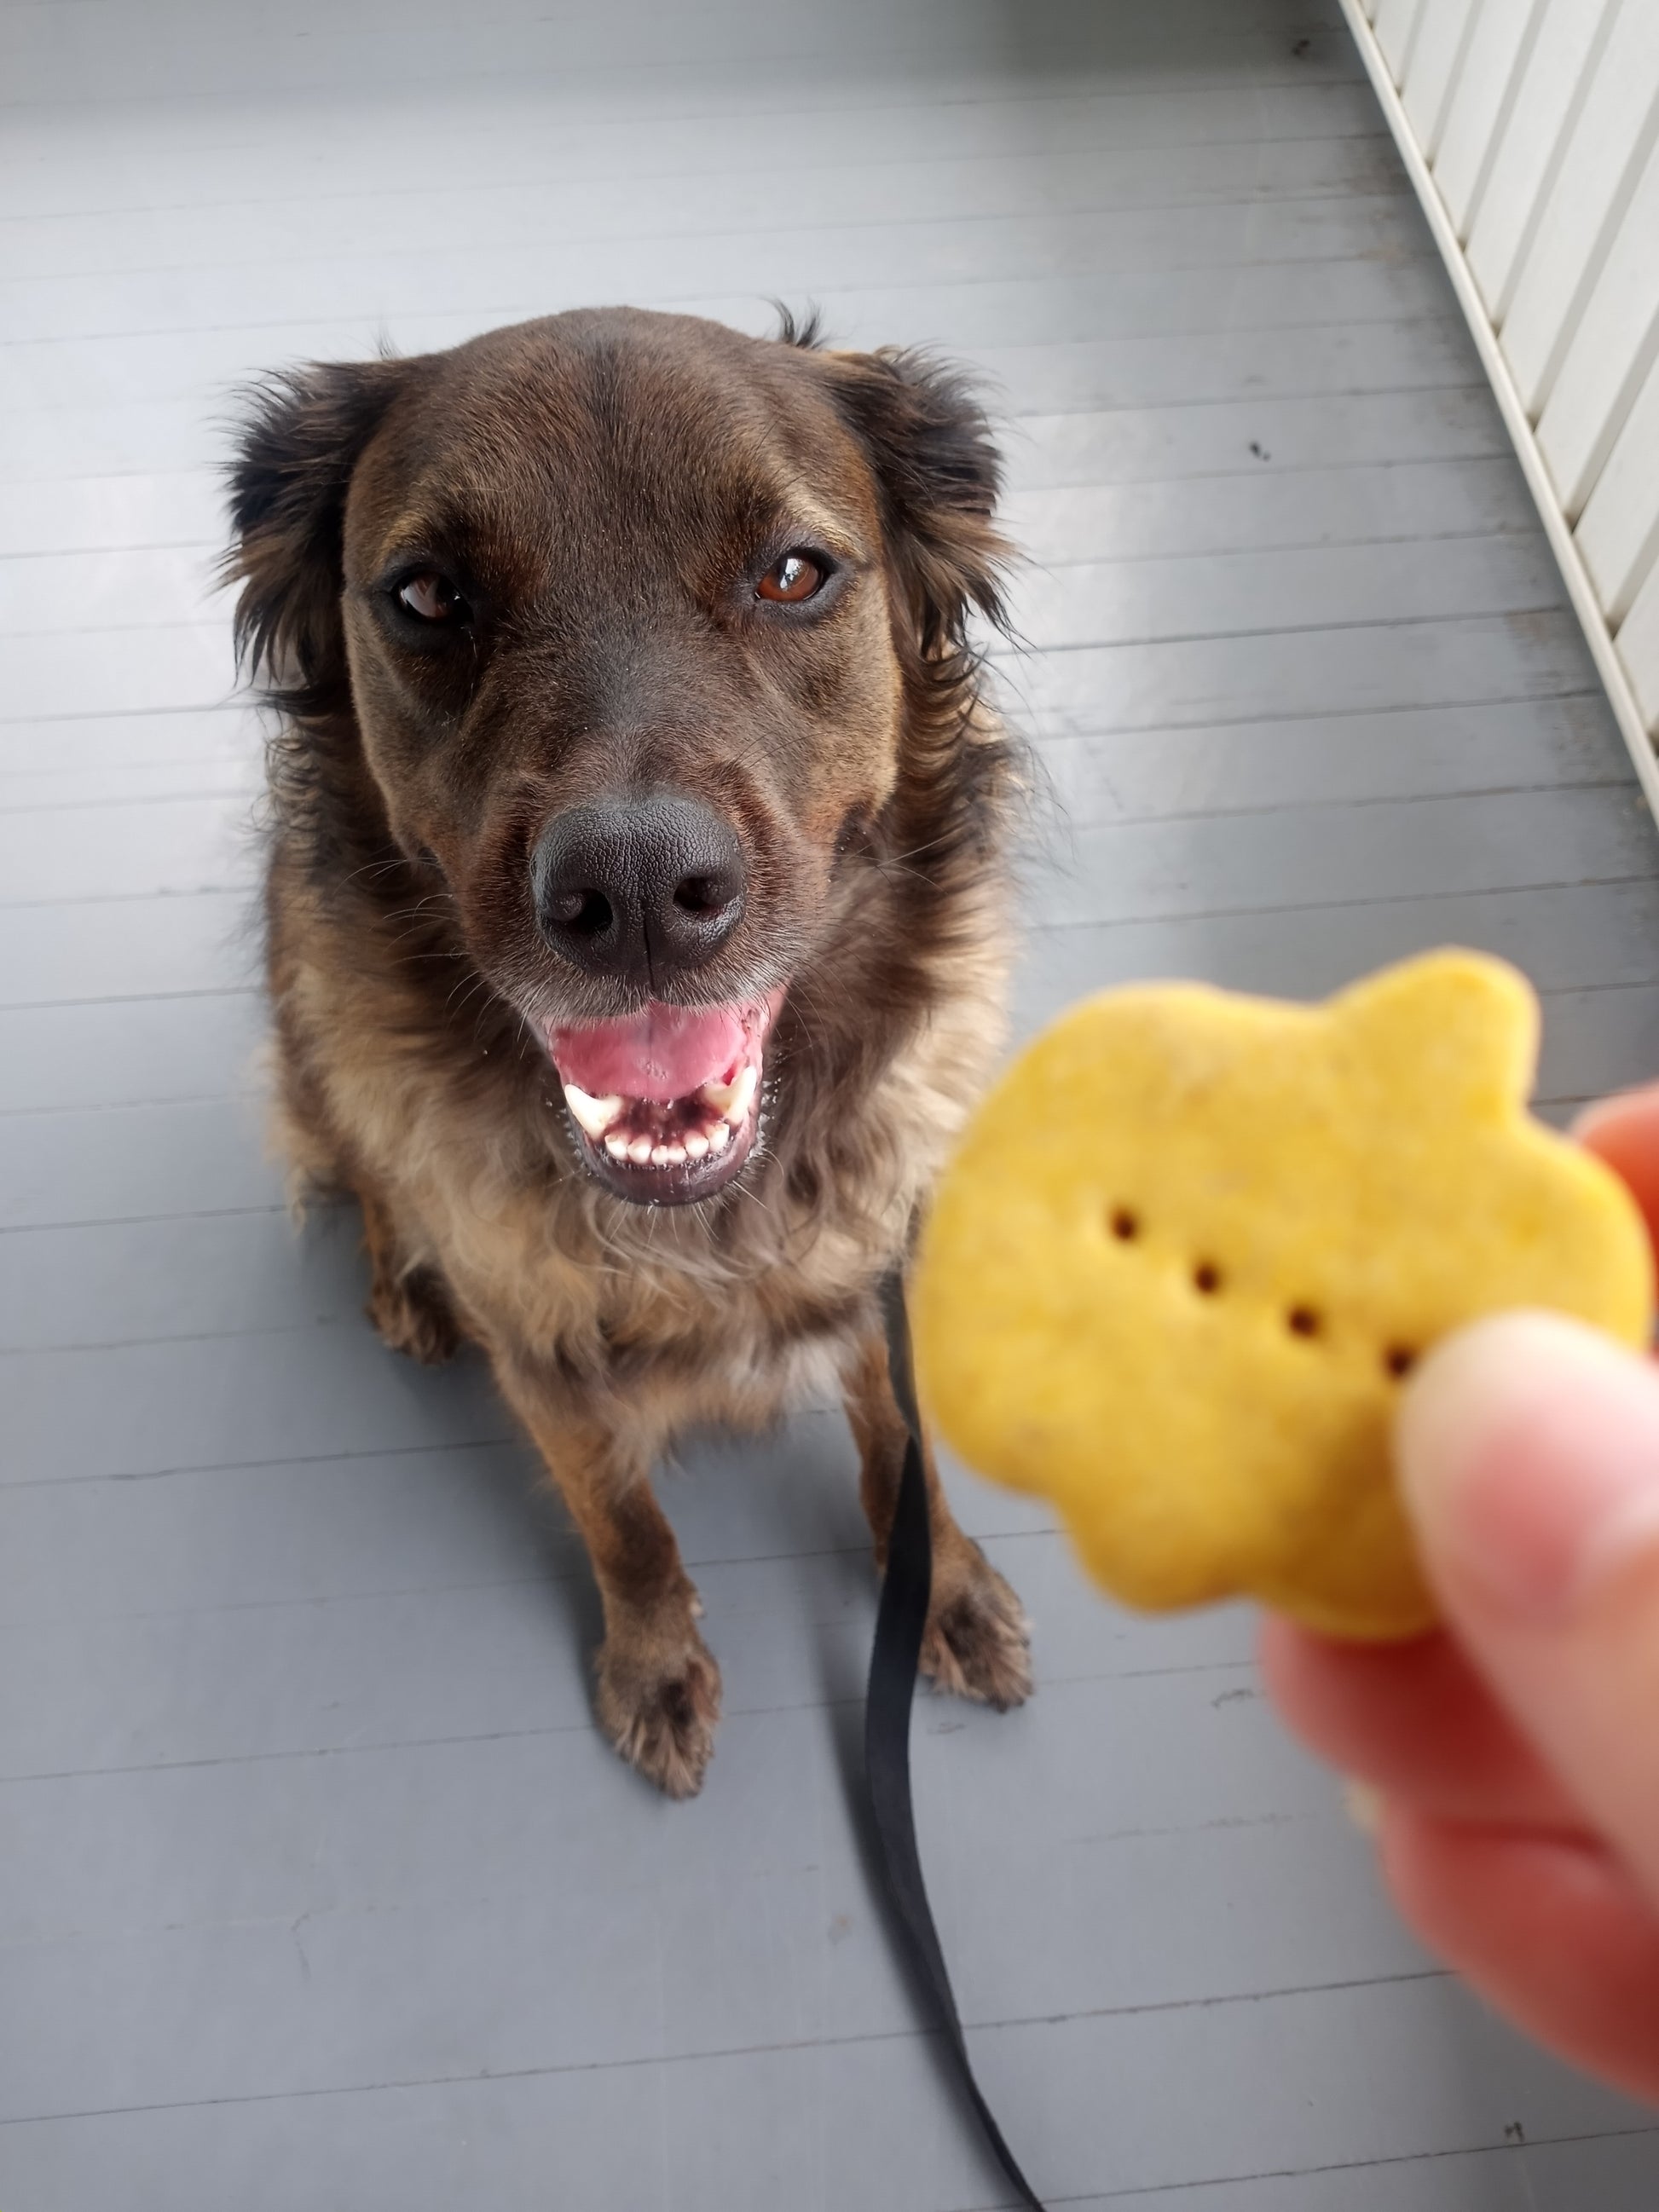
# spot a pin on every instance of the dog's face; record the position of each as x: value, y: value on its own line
x: 628, y: 611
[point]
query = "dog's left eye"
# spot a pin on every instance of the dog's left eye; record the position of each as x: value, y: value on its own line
x: 797, y: 576
x: 432, y: 597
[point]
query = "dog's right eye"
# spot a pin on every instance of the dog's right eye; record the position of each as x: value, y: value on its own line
x: 432, y: 598
x: 797, y: 577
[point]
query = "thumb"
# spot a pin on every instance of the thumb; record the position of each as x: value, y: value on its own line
x: 1528, y: 1449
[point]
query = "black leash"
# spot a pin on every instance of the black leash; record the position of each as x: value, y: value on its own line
x: 899, y: 1625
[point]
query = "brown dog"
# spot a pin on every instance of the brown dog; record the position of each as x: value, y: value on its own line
x: 637, y: 915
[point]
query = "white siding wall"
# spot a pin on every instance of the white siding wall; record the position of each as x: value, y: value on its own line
x: 1532, y: 129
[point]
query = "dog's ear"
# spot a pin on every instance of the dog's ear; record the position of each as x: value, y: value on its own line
x: 940, y: 474
x: 300, y: 438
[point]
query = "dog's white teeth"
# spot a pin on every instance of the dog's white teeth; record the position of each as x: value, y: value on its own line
x: 603, y: 1119
x: 731, y: 1100
x: 594, y: 1114
x: 745, y: 1091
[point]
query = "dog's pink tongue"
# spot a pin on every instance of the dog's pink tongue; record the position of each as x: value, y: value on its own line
x: 666, y: 1052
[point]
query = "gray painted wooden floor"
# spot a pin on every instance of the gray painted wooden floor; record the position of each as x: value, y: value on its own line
x: 320, y: 1893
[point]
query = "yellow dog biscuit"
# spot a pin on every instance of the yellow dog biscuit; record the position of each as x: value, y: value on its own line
x: 1193, y: 1241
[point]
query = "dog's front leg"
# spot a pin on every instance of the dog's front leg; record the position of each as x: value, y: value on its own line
x: 658, y: 1693
x: 978, y: 1642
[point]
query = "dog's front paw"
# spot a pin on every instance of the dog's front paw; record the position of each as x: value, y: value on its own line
x: 978, y: 1641
x: 659, y: 1709
x: 414, y: 1316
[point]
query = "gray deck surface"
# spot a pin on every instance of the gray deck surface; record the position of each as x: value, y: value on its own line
x: 320, y: 1893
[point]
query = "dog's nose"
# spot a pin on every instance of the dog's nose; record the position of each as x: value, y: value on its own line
x: 642, y: 889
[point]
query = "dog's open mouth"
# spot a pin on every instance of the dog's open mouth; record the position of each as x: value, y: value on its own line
x: 667, y: 1104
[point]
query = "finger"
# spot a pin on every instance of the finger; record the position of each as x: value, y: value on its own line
x: 1553, y: 1932
x: 1624, y: 1132
x: 1416, y: 1722
x: 1528, y: 1449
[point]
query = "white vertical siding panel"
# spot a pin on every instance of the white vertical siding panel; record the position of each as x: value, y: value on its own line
x: 1543, y: 106
x: 1480, y: 101
x: 1608, y: 352
x: 1531, y: 132
x: 1396, y: 21
x: 1618, y: 533
x: 1638, y: 648
x: 1437, y: 52
x: 1611, y: 136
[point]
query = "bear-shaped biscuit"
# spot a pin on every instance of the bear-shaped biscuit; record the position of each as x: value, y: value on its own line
x: 1193, y: 1242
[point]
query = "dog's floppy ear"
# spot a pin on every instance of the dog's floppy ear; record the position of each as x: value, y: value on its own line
x: 302, y: 433
x: 940, y: 474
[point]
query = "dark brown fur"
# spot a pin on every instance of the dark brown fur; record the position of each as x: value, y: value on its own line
x: 604, y: 482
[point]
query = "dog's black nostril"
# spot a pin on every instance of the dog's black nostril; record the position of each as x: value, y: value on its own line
x: 640, y: 887
x: 702, y: 894
x: 589, y: 913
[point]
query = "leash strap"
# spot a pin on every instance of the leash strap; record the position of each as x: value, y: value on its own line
x: 899, y: 1626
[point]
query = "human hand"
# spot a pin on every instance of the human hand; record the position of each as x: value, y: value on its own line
x: 1512, y: 1759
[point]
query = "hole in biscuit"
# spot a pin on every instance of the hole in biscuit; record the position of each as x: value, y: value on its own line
x: 1206, y: 1278
x: 1303, y: 1321
x: 1398, y: 1359
x: 1126, y: 1225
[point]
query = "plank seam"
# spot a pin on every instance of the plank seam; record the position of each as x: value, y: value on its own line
x: 483, y: 316
x: 1080, y: 211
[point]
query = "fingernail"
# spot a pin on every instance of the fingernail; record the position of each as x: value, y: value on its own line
x: 1528, y: 1449
x: 1363, y: 1803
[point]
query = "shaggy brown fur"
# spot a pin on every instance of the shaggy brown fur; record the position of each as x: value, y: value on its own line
x: 605, y: 488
